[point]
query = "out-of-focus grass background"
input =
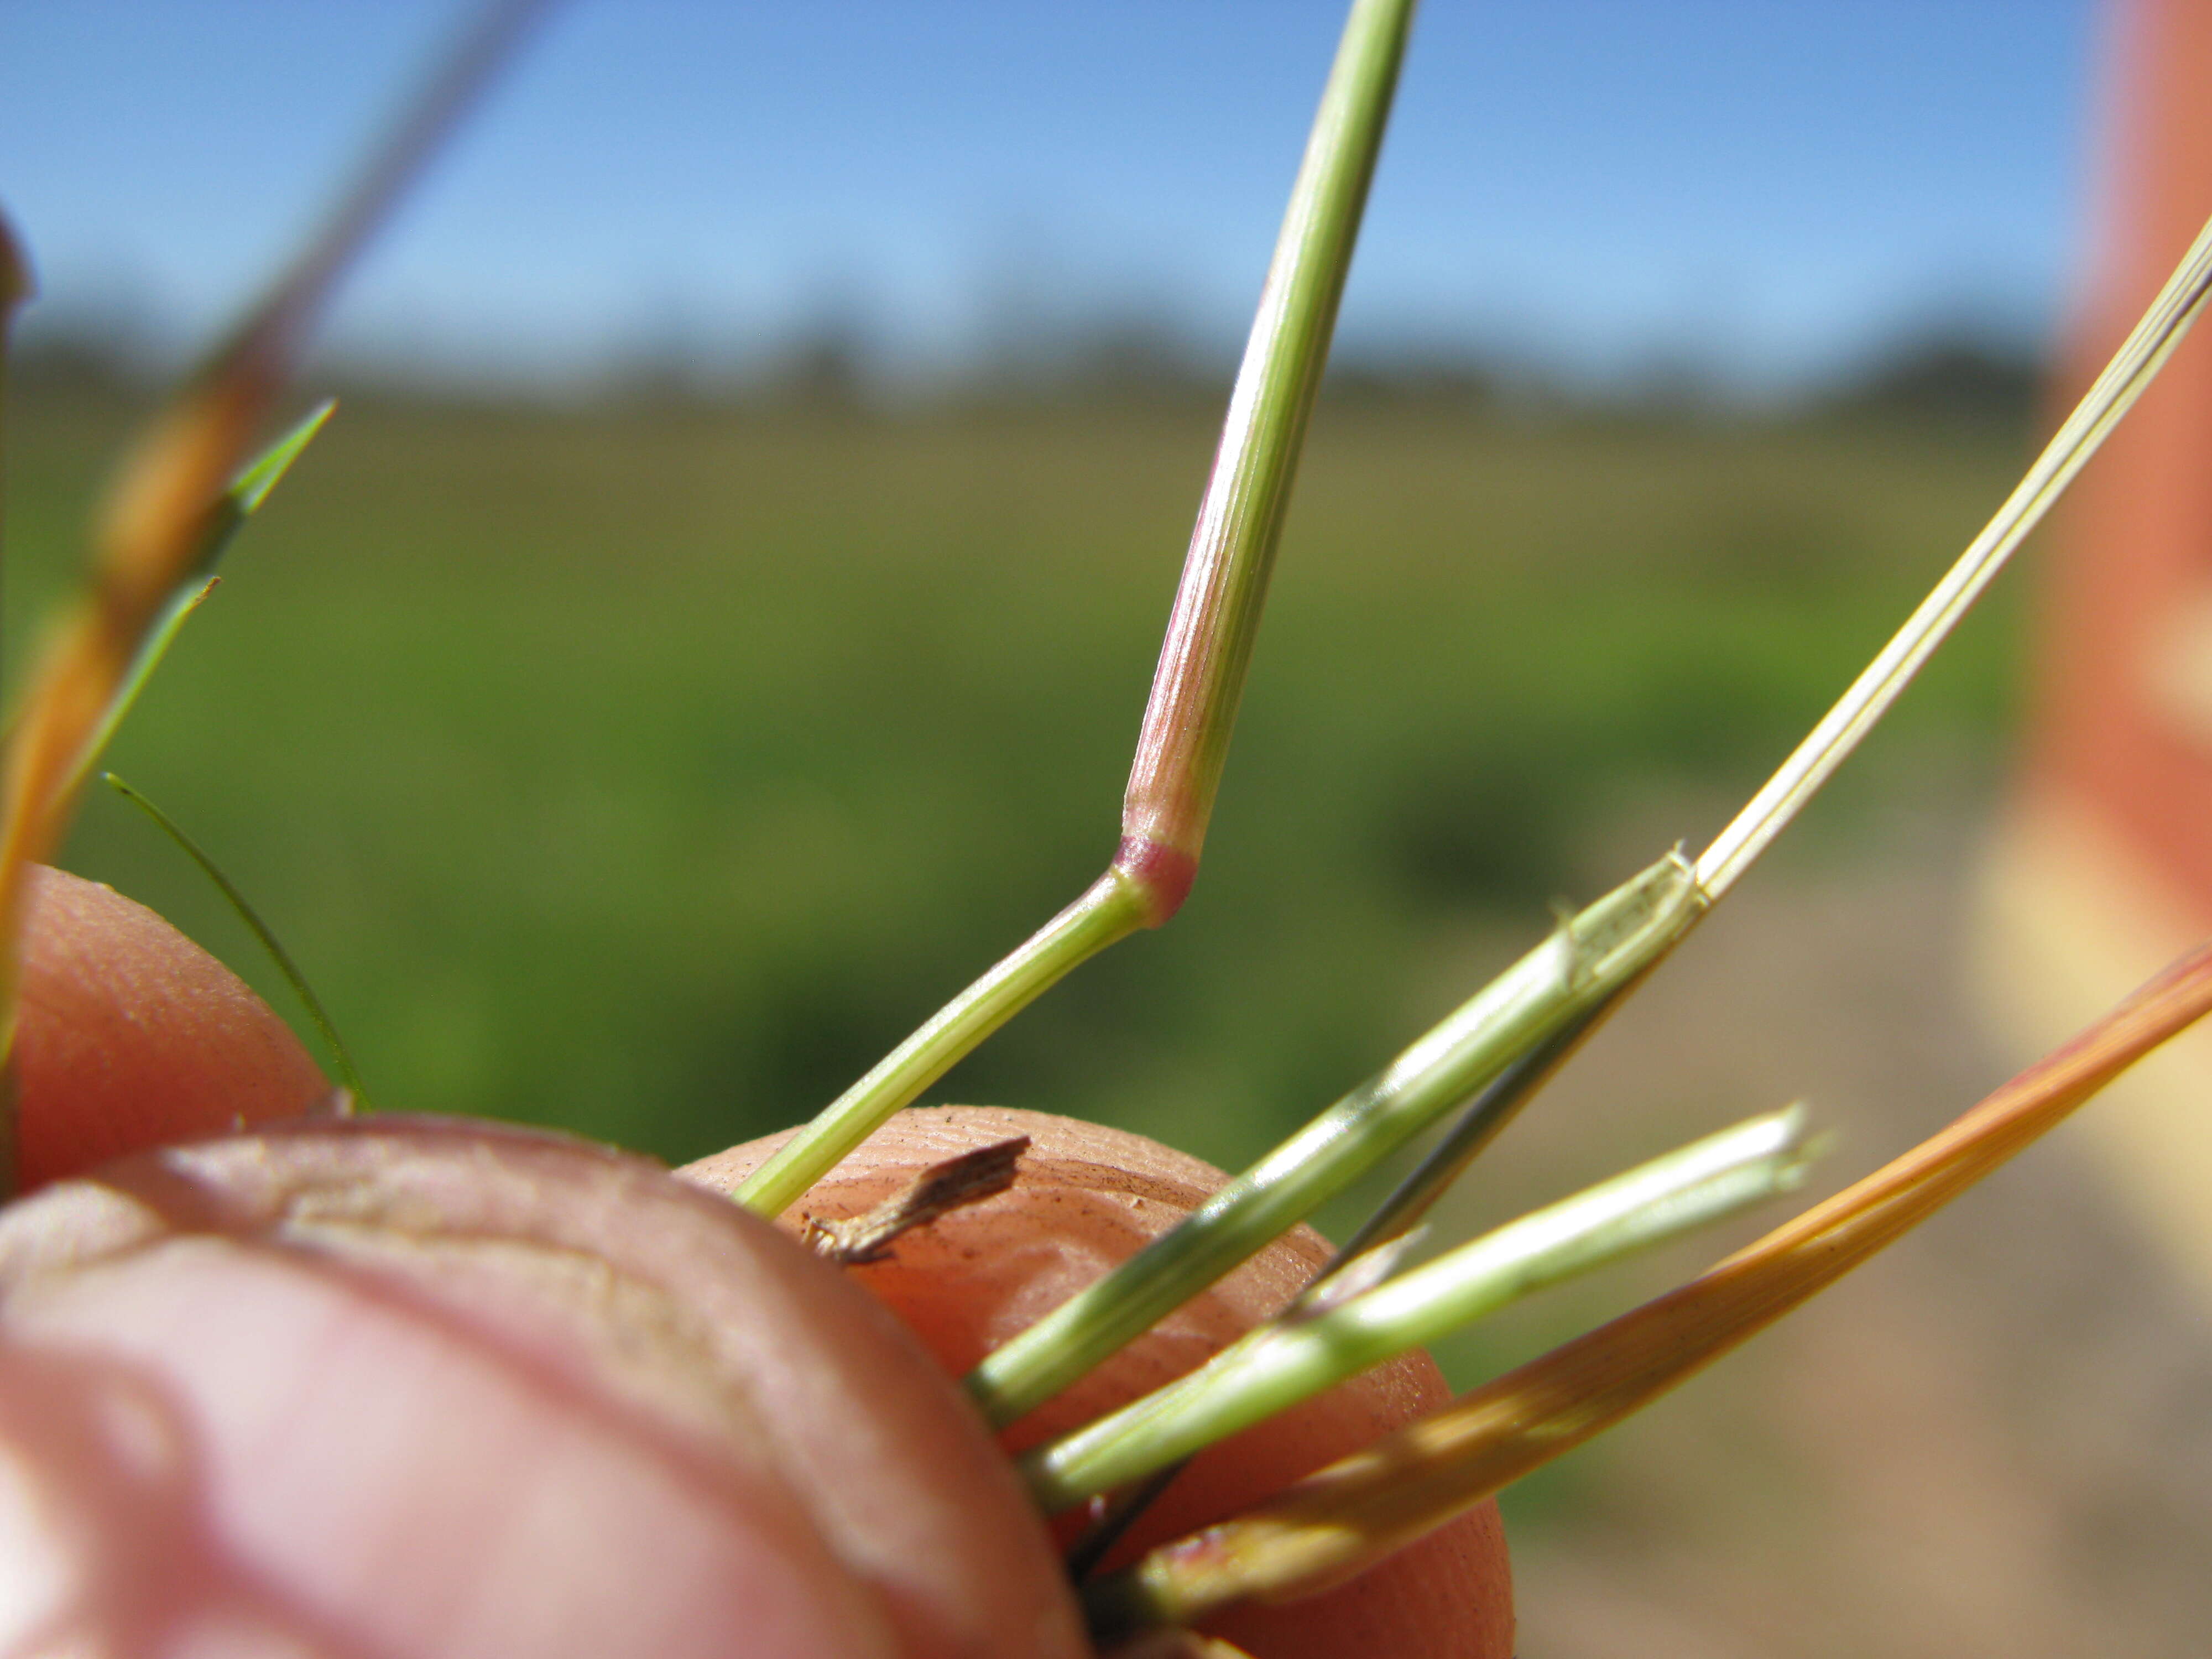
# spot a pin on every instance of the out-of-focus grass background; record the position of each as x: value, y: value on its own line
x: 649, y: 770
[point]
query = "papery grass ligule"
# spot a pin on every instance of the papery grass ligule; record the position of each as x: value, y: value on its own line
x: 1325, y: 1341
x: 1184, y: 739
x: 179, y: 496
x: 1342, y: 1520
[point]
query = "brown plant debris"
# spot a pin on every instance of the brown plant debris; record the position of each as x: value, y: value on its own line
x: 940, y: 1189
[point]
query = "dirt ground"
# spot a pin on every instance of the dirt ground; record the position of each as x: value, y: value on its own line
x: 1995, y: 1439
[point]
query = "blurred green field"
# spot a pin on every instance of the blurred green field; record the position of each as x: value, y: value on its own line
x: 649, y: 773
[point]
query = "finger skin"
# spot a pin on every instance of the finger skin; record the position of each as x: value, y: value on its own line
x: 129, y: 1036
x: 410, y: 1389
x: 420, y: 1389
x: 1085, y: 1198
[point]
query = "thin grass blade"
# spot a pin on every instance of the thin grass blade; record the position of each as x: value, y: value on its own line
x: 1340, y: 1521
x: 2114, y: 392
x: 2133, y: 368
x: 1276, y: 1366
x: 239, y: 502
x: 16, y: 287
x: 341, y: 1057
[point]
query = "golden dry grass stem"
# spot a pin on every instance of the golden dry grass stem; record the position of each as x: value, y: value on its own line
x: 1340, y: 1521
x: 162, y: 512
x: 2132, y: 368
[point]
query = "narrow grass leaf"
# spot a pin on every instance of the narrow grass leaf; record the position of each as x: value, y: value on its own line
x: 341, y: 1057
x: 1340, y: 1521
x: 2132, y: 368
x: 169, y: 493
x: 239, y: 502
x: 16, y: 287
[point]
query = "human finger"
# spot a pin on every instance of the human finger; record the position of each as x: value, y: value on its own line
x: 428, y: 1388
x: 128, y: 1036
x: 1086, y: 1198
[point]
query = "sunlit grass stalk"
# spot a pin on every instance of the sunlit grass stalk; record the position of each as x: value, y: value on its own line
x: 2109, y: 398
x: 1342, y: 1520
x: 2133, y: 366
x: 1280, y: 1364
x: 1583, y: 961
x: 238, y: 503
x: 341, y: 1057
x: 1184, y: 740
x: 168, y: 502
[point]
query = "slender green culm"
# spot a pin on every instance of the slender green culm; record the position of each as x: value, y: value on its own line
x: 341, y: 1056
x: 238, y: 503
x: 1278, y: 1365
x: 2132, y: 368
x: 1192, y: 712
x: 1581, y: 965
x: 1481, y: 1121
x: 1111, y: 909
x: 1187, y: 722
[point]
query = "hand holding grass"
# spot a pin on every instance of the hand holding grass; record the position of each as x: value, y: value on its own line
x: 537, y: 1397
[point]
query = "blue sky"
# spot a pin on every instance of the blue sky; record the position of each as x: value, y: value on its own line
x: 1765, y: 186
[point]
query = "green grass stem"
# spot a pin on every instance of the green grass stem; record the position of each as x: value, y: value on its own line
x: 1581, y: 965
x: 1274, y: 1367
x: 1342, y: 1519
x: 238, y: 503
x: 1112, y: 909
x: 1184, y: 739
x: 1479, y: 1123
x: 341, y: 1056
